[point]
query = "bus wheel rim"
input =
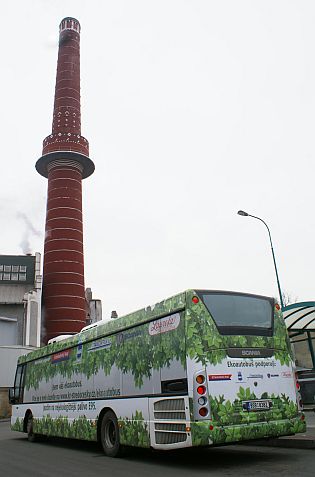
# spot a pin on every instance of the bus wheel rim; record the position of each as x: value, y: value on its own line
x: 110, y: 434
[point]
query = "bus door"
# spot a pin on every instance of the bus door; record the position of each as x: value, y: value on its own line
x: 16, y: 393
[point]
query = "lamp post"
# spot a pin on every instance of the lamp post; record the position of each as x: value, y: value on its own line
x: 245, y: 214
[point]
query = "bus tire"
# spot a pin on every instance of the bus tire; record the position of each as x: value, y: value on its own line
x: 31, y: 436
x: 110, y: 435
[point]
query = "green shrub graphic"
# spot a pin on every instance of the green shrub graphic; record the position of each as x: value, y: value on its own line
x: 225, y: 412
x: 80, y: 428
x: 230, y: 422
x: 18, y: 425
x: 134, y: 431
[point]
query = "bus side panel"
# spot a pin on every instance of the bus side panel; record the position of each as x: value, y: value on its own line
x: 67, y: 390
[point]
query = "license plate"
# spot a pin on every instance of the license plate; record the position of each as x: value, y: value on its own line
x: 262, y: 405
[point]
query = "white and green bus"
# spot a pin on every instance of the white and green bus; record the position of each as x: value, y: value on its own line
x: 202, y: 368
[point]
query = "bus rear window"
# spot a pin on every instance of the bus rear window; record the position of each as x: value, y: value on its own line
x: 240, y: 314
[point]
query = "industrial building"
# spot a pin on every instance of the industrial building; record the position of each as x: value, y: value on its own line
x: 20, y: 315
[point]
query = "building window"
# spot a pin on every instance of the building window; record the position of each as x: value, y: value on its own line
x: 14, y: 276
x: 0, y: 276
x: 7, y: 268
x: 15, y: 269
x: 1, y: 268
x: 6, y: 276
x: 23, y: 268
x: 22, y: 277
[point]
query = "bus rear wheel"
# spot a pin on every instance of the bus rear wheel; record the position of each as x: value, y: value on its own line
x: 31, y: 436
x: 110, y: 435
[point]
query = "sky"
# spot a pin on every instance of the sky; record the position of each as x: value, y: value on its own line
x: 193, y: 109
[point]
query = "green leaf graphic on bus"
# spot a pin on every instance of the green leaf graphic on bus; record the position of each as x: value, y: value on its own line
x: 134, y: 431
x: 80, y: 428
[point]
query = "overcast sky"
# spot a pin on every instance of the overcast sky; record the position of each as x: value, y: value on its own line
x: 194, y: 109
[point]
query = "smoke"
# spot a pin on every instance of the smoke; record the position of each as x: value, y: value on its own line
x: 28, y: 233
x: 51, y: 41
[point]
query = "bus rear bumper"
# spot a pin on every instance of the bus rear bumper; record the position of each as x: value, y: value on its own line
x: 207, y: 433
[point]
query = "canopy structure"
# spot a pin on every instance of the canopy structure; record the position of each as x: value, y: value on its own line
x: 300, y: 316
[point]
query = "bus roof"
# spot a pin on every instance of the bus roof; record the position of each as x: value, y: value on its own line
x: 170, y: 305
x: 105, y: 328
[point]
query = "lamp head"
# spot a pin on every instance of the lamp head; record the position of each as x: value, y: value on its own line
x: 241, y: 212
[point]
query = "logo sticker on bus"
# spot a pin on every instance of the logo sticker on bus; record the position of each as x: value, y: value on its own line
x: 255, y: 376
x: 219, y: 377
x: 286, y: 374
x: 61, y: 356
x: 164, y: 325
x: 103, y: 343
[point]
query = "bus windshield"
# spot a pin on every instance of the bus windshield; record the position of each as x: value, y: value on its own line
x: 238, y: 314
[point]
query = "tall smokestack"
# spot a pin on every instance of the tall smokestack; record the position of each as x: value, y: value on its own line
x: 65, y: 162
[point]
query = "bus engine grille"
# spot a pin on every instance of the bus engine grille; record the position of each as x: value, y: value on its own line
x: 170, y: 409
x: 170, y: 432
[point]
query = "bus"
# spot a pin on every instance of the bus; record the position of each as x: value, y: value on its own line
x: 202, y: 368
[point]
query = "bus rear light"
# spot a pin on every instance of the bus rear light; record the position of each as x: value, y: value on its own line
x: 201, y: 389
x: 195, y: 300
x: 202, y: 401
x: 297, y: 384
x: 200, y: 379
x: 203, y: 411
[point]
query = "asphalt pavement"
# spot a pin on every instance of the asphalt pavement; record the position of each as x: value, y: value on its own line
x: 51, y: 457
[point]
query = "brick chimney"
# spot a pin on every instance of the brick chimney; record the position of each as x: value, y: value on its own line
x: 65, y: 162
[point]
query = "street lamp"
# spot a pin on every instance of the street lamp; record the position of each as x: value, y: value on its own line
x: 245, y: 214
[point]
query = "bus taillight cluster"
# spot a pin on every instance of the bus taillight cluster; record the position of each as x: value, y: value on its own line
x: 298, y: 392
x: 202, y: 399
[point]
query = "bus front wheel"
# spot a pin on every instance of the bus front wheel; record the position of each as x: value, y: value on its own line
x: 110, y: 435
x: 31, y: 436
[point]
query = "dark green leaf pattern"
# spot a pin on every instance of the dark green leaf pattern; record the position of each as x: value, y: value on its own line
x: 170, y: 305
x: 80, y: 428
x: 18, y: 425
x: 138, y: 355
x: 202, y: 435
x: 134, y: 431
x: 206, y: 345
x: 225, y: 412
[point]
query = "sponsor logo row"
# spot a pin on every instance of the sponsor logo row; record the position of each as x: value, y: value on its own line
x: 240, y: 376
